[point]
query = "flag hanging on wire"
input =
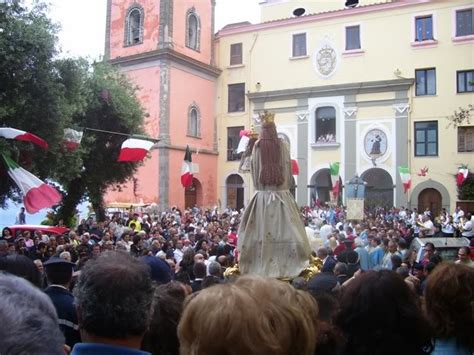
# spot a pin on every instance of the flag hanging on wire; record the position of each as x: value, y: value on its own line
x: 134, y: 149
x: 36, y: 193
x: 13, y: 133
x: 187, y: 169
x: 72, y: 139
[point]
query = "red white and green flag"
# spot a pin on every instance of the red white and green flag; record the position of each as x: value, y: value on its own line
x: 13, y: 133
x: 134, y: 149
x: 335, y: 180
x: 187, y: 169
x: 462, y: 174
x: 405, y: 176
x: 36, y: 193
x: 72, y: 139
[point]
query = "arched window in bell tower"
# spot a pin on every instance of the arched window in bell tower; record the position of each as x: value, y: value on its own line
x: 134, y: 25
x: 193, y: 29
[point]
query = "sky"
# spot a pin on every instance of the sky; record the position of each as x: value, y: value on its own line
x: 81, y: 37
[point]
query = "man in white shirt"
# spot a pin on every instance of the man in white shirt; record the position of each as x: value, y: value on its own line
x: 468, y: 226
x: 458, y: 213
x: 428, y: 226
x: 178, y: 252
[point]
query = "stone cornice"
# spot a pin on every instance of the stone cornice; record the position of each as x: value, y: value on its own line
x: 332, y: 90
x: 166, y: 54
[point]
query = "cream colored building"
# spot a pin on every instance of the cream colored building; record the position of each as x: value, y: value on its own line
x: 369, y: 86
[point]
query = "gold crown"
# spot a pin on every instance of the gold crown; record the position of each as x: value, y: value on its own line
x: 267, y: 117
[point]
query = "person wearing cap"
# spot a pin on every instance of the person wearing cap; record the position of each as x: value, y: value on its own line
x: 59, y: 274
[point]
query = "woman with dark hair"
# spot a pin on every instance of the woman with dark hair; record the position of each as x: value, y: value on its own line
x: 272, y: 238
x: 7, y: 234
x: 379, y: 316
x: 22, y: 266
x: 449, y: 307
x: 161, y: 337
x: 187, y: 263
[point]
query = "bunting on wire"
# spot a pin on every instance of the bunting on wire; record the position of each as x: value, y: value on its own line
x: 462, y: 174
x: 405, y: 176
x: 335, y: 180
x: 72, y: 139
x: 36, y: 193
x: 187, y: 169
x: 13, y: 133
x: 134, y: 149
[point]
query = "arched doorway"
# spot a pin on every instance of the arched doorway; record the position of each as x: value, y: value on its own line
x: 235, y: 191
x: 430, y: 198
x: 192, y: 194
x: 379, y: 188
x: 321, y: 186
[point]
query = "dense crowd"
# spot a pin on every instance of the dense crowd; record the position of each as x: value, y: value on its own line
x: 167, y: 284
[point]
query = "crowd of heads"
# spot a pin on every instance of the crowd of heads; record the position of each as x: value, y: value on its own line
x: 162, y: 285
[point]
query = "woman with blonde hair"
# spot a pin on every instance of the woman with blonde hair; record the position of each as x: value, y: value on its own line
x: 253, y: 316
x: 272, y: 238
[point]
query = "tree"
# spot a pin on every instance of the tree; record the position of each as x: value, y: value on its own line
x: 111, y: 105
x: 31, y: 91
x: 44, y: 95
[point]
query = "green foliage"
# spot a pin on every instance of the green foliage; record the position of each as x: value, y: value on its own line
x: 111, y: 106
x: 43, y: 95
x: 466, y: 190
x: 462, y: 116
x: 30, y: 89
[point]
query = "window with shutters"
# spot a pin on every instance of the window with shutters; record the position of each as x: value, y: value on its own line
x: 236, y: 54
x: 465, y: 22
x: 299, y: 45
x: 465, y: 139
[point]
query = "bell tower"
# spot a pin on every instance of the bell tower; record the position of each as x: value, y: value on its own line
x: 166, y: 48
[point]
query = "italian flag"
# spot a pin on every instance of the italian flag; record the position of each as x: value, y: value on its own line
x: 72, y: 139
x: 134, y: 149
x: 462, y: 175
x: 187, y: 169
x: 405, y: 177
x: 13, y: 133
x: 334, y: 168
x: 36, y: 194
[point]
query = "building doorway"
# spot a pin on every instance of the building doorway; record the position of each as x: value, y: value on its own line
x: 430, y: 199
x: 321, y: 187
x: 235, y: 192
x: 192, y: 194
x: 379, y: 188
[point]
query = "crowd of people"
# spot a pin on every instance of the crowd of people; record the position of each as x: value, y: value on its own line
x: 161, y: 284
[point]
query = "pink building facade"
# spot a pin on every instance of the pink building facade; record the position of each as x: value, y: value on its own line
x: 165, y: 48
